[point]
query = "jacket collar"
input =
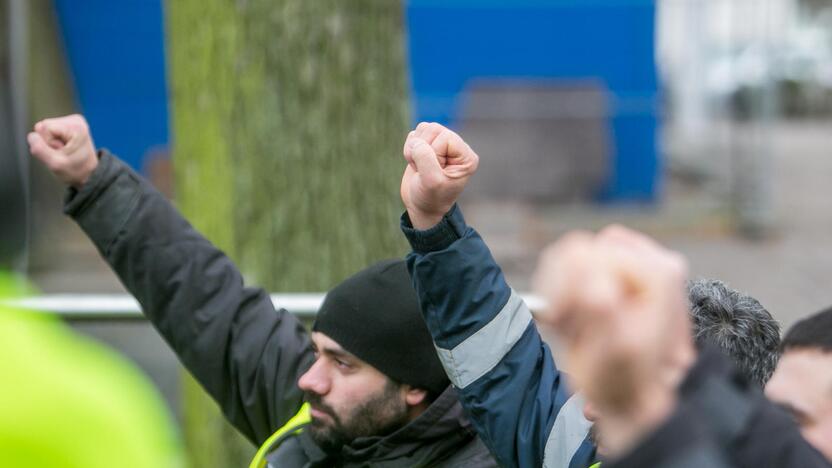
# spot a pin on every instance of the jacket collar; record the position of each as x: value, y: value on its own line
x: 442, y: 427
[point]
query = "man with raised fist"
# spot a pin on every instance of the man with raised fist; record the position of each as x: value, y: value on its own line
x: 618, y: 302
x: 376, y: 392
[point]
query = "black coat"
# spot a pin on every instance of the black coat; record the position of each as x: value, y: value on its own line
x: 432, y: 439
x: 246, y: 354
x: 723, y: 421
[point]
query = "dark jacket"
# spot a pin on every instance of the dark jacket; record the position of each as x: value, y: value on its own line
x: 723, y: 421
x: 432, y: 439
x: 246, y: 354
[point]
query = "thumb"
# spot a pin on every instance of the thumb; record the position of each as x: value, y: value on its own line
x: 41, y: 150
x: 424, y: 158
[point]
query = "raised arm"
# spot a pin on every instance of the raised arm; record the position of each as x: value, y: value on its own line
x: 506, y: 377
x: 247, y: 355
x: 617, y: 300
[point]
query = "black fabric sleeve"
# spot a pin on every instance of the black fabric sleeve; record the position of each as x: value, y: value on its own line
x: 246, y: 354
x: 721, y: 420
x: 683, y: 441
x: 439, y: 237
x: 772, y: 439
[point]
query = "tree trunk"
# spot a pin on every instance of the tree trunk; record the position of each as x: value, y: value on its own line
x: 288, y: 121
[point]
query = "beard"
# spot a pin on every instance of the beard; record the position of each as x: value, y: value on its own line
x: 379, y: 415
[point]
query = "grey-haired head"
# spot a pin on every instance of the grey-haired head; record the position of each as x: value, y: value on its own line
x: 738, y: 324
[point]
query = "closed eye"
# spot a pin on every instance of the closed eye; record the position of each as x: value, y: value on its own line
x: 343, y: 364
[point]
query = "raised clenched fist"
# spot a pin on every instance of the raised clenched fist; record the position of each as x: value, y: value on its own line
x: 65, y: 147
x: 439, y: 164
x: 617, y: 300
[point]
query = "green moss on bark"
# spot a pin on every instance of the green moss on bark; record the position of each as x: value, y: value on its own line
x: 288, y: 119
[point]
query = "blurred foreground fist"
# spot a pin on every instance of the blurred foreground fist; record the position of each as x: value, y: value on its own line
x: 439, y: 164
x: 617, y: 301
x: 64, y: 145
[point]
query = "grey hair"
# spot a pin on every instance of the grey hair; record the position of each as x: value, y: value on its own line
x: 738, y: 324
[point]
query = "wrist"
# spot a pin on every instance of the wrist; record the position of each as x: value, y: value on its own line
x: 423, y: 219
x: 85, y: 174
x: 450, y: 228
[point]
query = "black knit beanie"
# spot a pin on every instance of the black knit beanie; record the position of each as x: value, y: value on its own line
x: 375, y: 315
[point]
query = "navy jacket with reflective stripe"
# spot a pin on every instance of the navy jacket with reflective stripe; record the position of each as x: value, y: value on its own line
x: 484, y: 333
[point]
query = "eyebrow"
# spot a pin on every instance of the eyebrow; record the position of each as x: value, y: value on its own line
x: 339, y: 353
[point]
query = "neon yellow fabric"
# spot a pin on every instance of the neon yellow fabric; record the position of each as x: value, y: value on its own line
x: 301, y: 417
x: 67, y: 402
x: 597, y: 465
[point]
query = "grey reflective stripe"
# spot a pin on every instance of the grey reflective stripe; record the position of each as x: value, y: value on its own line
x: 568, y: 432
x: 480, y: 352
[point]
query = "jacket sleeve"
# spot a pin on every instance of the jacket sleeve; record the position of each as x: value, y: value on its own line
x: 507, y: 380
x: 772, y: 439
x: 683, y: 441
x: 689, y: 439
x: 721, y: 422
x: 753, y: 431
x: 247, y: 355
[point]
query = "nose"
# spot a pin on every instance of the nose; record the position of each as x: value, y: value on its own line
x: 315, y: 380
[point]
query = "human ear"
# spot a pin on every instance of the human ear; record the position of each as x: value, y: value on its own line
x: 414, y: 396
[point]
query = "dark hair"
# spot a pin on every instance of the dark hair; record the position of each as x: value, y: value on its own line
x: 738, y: 324
x: 811, y: 332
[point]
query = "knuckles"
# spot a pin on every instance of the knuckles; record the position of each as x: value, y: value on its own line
x: 79, y: 122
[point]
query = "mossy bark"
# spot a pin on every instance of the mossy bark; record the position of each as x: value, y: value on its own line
x: 288, y: 119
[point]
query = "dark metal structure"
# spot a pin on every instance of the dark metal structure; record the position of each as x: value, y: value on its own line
x: 14, y: 189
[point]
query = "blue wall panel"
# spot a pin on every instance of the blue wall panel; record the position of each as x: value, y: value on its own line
x: 117, y: 57
x: 453, y: 42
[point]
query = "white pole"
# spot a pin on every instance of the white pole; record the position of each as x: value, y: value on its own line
x: 123, y: 306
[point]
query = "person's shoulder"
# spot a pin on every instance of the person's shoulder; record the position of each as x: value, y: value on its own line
x: 771, y: 438
x: 291, y: 451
